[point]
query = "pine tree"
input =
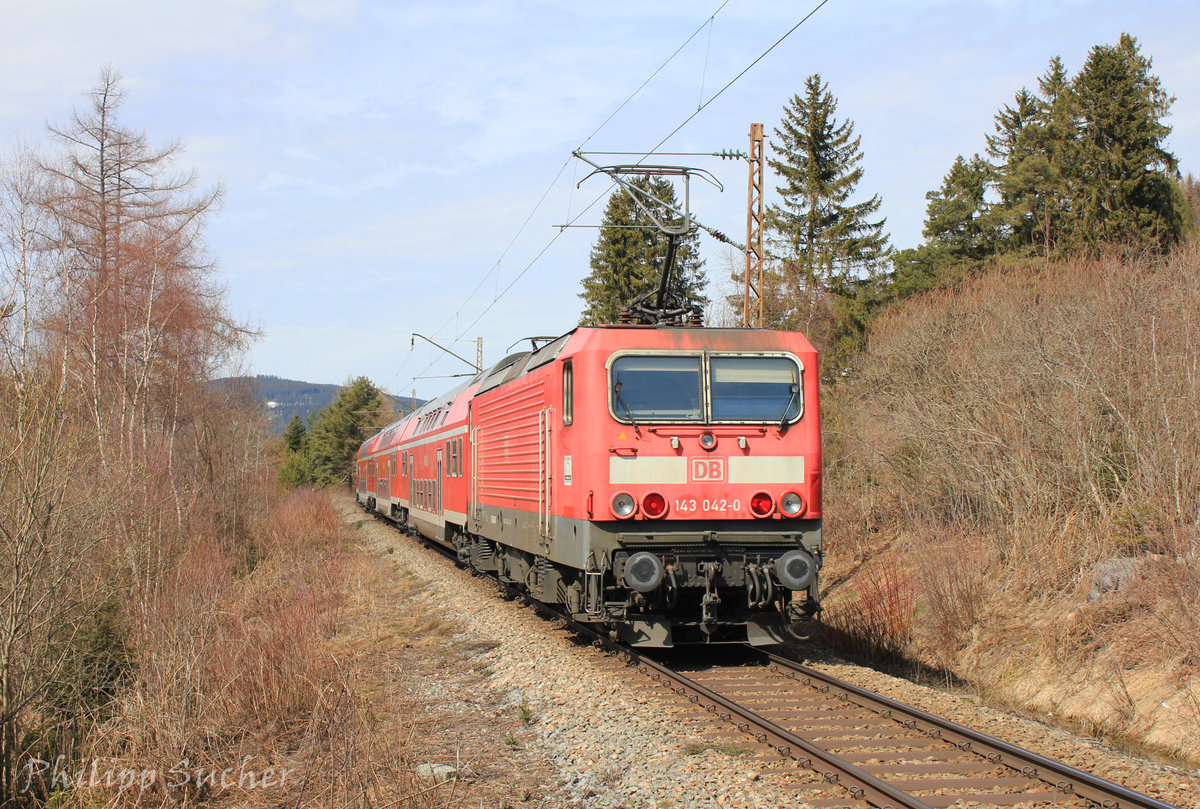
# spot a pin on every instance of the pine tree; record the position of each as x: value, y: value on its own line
x: 828, y: 241
x: 339, y: 430
x: 1126, y: 193
x: 627, y: 258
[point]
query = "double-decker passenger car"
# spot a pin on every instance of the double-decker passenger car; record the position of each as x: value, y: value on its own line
x: 661, y: 481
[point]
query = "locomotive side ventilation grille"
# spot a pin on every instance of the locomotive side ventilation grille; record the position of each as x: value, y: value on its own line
x: 507, y: 447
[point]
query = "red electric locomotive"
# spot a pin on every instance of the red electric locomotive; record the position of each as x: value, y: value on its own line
x: 663, y: 481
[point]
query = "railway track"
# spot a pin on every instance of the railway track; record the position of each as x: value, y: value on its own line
x: 881, y: 751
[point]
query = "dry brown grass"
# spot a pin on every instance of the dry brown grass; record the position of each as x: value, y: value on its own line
x: 953, y: 576
x: 877, y: 621
x: 245, y: 691
x: 148, y: 620
x: 1052, y: 410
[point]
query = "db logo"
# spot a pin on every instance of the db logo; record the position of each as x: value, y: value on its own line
x: 707, y: 470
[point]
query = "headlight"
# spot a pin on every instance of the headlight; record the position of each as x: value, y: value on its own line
x: 794, y: 569
x: 644, y: 572
x: 791, y: 504
x: 708, y: 441
x: 623, y: 505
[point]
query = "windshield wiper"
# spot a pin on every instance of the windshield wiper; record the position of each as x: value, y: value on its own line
x: 628, y: 412
x: 783, y: 419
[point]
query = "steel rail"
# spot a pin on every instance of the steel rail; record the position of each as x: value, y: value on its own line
x: 860, y: 784
x: 1061, y: 776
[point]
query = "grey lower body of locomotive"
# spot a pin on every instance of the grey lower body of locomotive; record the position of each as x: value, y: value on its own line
x: 723, y: 584
x: 718, y: 585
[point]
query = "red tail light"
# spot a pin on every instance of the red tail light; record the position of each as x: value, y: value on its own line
x: 761, y: 505
x: 654, y: 505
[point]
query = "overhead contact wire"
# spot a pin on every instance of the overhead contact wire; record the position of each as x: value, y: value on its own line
x: 649, y: 79
x: 707, y: 23
x: 550, y: 187
x: 670, y: 135
x: 707, y: 51
x: 485, y: 276
x: 513, y: 241
x: 734, y: 80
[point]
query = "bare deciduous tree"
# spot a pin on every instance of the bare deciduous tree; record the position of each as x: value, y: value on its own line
x: 47, y: 539
x: 116, y: 452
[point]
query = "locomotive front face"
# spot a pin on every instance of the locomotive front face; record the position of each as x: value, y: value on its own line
x: 714, y: 427
x: 704, y: 486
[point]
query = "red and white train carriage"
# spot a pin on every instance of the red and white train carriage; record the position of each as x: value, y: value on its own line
x: 662, y: 481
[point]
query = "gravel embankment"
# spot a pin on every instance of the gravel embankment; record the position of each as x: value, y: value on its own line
x: 529, y: 717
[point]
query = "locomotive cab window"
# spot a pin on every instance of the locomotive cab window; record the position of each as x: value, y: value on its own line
x: 568, y: 390
x: 656, y: 388
x: 746, y: 388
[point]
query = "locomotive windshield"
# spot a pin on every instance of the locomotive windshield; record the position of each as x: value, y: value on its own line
x: 657, y: 388
x: 754, y: 389
x: 741, y: 388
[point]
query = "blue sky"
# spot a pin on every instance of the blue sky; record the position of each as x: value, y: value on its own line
x: 380, y: 160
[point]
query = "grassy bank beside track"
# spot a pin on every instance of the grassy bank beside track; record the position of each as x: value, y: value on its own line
x: 259, y: 681
x: 1012, y: 493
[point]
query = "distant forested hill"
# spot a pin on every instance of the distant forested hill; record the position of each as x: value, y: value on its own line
x: 287, y: 397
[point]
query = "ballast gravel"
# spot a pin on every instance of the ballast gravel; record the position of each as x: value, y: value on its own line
x: 521, y: 713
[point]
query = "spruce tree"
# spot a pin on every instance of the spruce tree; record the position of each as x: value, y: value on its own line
x: 916, y: 270
x: 295, y: 434
x: 296, y: 468
x: 956, y: 221
x: 339, y: 430
x: 1127, y: 193
x: 1019, y: 169
x: 827, y: 240
x: 1189, y: 190
x: 627, y: 258
x: 960, y: 229
x: 1035, y: 145
x: 1056, y: 140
